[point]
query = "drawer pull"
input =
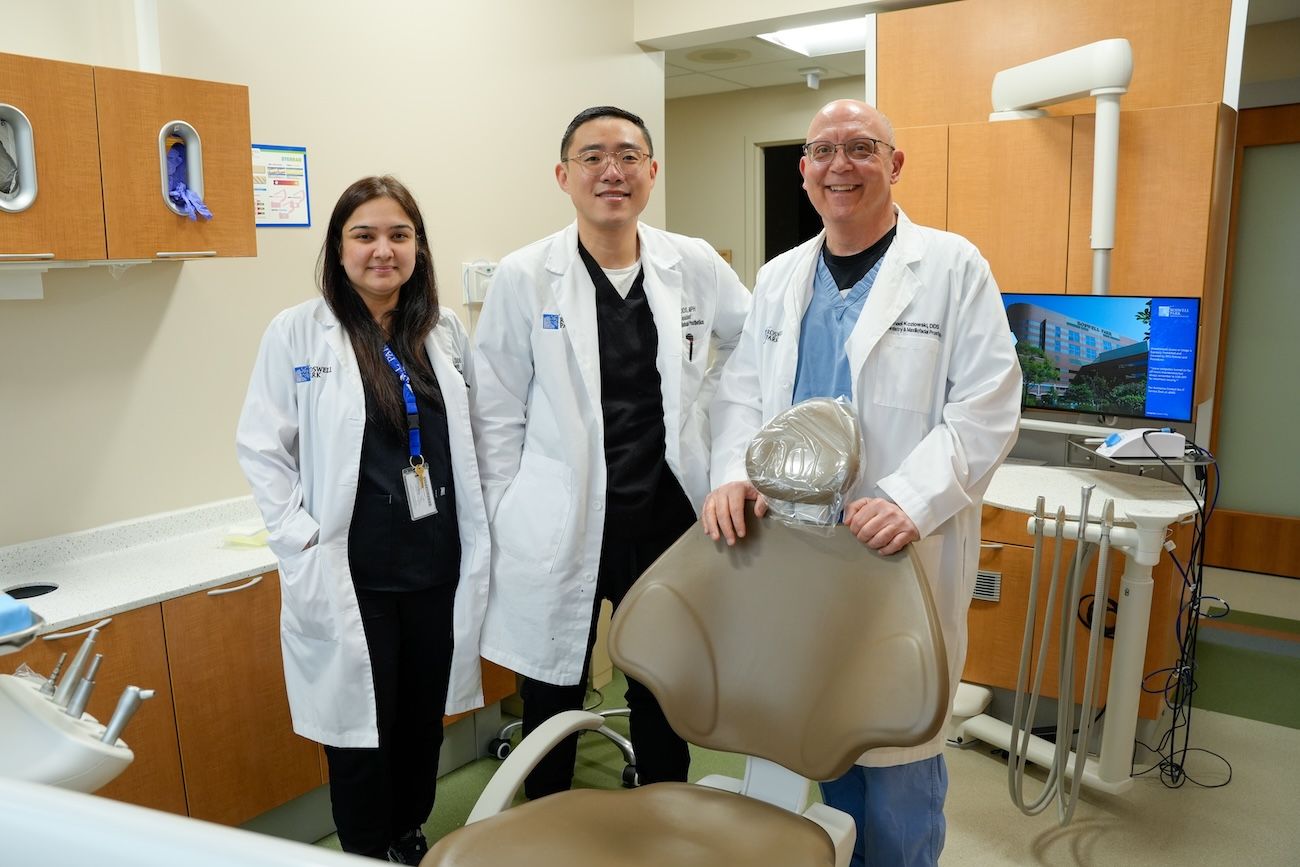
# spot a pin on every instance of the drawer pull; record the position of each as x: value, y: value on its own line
x: 7, y: 257
x: 990, y: 546
x: 184, y: 254
x: 222, y: 591
x: 54, y: 636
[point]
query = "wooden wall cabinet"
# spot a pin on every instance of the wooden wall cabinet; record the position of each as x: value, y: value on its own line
x: 99, y: 172
x: 238, y: 750
x: 66, y: 220
x: 1009, y: 195
x: 134, y: 653
x: 997, y: 628
x: 922, y: 188
x: 132, y: 109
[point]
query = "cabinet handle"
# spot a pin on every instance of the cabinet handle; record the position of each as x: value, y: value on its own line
x: 183, y: 254
x: 224, y: 590
x: 5, y: 257
x: 55, y: 636
x: 990, y: 546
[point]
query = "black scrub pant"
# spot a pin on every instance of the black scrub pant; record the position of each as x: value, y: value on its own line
x: 661, y: 755
x: 378, y: 794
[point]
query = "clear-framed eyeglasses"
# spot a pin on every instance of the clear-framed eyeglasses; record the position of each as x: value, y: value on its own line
x: 857, y: 149
x: 628, y: 160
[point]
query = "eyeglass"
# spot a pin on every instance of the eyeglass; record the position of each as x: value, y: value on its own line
x: 594, y: 162
x: 857, y: 149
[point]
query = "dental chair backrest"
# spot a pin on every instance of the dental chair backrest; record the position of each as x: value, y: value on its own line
x: 798, y: 646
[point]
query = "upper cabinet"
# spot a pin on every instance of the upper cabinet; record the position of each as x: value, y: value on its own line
x: 91, y: 147
x: 1009, y: 195
x: 139, y: 115
x: 48, y: 112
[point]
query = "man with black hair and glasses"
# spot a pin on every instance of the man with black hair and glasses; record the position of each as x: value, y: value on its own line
x: 597, y: 351
x: 907, y: 323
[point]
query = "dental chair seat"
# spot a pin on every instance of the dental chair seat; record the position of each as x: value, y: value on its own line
x: 656, y: 825
x: 798, y: 648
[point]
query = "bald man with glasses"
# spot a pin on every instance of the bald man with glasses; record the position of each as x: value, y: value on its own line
x: 907, y: 324
x: 597, y: 351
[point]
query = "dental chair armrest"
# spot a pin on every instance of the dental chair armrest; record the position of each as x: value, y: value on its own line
x: 500, y: 790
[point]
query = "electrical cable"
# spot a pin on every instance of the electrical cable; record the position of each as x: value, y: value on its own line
x: 1179, y: 681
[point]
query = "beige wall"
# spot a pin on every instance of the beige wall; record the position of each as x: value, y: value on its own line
x: 715, y: 168
x: 119, y: 394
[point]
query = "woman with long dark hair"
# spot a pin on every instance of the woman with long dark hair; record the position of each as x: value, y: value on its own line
x: 355, y: 438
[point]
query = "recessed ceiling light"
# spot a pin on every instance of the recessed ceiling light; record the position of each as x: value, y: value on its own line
x: 835, y: 37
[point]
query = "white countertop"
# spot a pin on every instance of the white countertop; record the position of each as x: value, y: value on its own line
x: 1017, y: 487
x: 110, y: 569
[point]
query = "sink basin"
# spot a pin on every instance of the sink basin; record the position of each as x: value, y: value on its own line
x: 30, y: 591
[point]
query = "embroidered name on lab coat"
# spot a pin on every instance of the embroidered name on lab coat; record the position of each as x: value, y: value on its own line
x: 771, y: 335
x: 308, y: 372
x: 689, y: 319
x: 552, y: 321
x: 928, y: 329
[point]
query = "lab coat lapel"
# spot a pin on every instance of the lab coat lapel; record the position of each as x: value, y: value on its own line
x: 336, y: 337
x: 576, y: 297
x: 663, y: 290
x: 895, y: 287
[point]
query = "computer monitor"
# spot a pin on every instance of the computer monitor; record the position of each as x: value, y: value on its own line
x: 1120, y: 355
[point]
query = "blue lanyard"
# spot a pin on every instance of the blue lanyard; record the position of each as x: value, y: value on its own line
x: 412, y: 412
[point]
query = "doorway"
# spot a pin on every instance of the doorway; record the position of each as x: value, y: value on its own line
x: 788, y: 217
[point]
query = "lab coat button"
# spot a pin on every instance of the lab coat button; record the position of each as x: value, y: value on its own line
x: 590, y: 577
x: 598, y: 506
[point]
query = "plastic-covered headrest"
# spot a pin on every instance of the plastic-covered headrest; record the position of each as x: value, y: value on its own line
x: 811, y: 453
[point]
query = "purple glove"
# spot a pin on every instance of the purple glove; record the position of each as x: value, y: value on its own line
x: 190, y: 204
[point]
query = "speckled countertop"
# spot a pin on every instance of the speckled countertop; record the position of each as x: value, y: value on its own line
x: 121, y: 566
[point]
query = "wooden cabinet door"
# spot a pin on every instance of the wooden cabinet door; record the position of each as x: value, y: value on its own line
x: 133, y: 108
x: 134, y: 653
x: 238, y: 749
x: 1009, y: 195
x: 67, y: 217
x: 922, y: 188
x: 1163, y: 211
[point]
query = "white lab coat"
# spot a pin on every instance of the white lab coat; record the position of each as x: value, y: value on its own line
x: 936, y: 384
x: 299, y: 444
x: 539, y: 427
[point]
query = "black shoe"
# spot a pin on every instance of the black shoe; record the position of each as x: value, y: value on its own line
x: 408, y: 848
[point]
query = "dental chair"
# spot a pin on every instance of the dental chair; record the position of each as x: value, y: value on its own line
x: 798, y: 647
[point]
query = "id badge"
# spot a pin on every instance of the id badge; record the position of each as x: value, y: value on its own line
x: 419, y: 493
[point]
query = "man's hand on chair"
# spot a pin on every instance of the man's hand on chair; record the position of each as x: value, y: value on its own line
x: 880, y: 524
x: 723, y: 515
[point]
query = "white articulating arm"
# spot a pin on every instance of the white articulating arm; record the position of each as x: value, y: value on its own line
x: 1101, y: 70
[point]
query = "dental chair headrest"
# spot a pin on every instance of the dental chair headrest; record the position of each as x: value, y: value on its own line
x: 811, y: 453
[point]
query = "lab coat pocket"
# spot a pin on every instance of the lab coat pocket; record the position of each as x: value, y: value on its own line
x: 534, y: 512
x: 904, y: 372
x: 305, y: 596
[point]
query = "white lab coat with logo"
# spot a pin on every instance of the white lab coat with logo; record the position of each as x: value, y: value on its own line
x: 299, y: 444
x: 936, y: 384
x: 539, y: 427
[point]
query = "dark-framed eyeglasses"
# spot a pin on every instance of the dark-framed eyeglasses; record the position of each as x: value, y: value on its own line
x: 857, y: 149
x: 628, y: 160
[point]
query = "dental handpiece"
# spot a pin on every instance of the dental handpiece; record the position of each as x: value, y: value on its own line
x: 63, y: 693
x: 81, y: 695
x: 127, y: 705
x: 47, y: 688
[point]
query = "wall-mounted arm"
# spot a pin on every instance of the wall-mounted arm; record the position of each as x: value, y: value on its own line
x: 1102, y: 70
